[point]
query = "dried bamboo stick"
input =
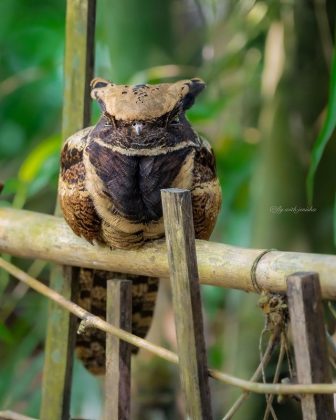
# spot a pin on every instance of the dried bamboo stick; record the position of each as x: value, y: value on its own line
x: 310, y: 344
x: 36, y: 235
x: 118, y: 352
x: 187, y: 303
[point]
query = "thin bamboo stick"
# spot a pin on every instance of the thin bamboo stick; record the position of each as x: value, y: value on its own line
x: 93, y: 321
x: 35, y: 235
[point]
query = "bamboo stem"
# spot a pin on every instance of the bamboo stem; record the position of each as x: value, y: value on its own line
x: 96, y: 322
x: 61, y: 332
x: 118, y: 353
x: 35, y: 235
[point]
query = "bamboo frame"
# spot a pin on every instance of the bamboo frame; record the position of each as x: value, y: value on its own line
x: 93, y: 321
x: 35, y: 235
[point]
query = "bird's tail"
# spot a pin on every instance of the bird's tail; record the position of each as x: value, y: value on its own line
x: 90, y: 346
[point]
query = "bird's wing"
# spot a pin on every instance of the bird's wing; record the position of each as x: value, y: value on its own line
x: 77, y: 206
x: 206, y: 191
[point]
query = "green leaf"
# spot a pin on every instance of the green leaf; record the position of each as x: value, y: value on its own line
x: 11, y: 186
x: 35, y: 160
x: 325, y: 133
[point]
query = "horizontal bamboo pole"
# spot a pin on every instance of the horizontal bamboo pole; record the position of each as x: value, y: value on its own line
x: 35, y: 235
x: 92, y: 321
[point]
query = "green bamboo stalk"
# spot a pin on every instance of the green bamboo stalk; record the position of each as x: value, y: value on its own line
x: 78, y: 70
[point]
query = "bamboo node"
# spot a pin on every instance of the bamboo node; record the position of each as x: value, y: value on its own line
x: 84, y: 325
x: 281, y: 399
x: 254, y: 281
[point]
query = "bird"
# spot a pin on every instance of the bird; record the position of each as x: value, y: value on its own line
x: 110, y: 181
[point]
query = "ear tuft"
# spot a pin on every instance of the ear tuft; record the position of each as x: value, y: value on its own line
x: 98, y: 83
x: 195, y: 87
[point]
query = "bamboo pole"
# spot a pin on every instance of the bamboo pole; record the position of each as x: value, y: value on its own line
x: 310, y: 344
x: 61, y: 332
x: 118, y: 352
x: 59, y: 347
x: 187, y: 304
x: 35, y: 235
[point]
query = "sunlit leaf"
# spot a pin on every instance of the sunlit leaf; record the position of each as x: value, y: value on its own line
x: 49, y: 170
x: 325, y: 133
x: 34, y: 161
x: 20, y: 196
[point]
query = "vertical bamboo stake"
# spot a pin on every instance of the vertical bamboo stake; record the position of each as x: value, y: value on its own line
x: 57, y: 371
x: 310, y: 346
x: 118, y: 353
x: 180, y: 238
x: 78, y: 70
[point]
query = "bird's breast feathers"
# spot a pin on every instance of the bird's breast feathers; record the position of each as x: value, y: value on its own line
x: 129, y: 185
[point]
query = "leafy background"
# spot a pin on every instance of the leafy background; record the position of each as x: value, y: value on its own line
x: 269, y: 111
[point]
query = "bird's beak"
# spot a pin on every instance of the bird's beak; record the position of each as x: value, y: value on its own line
x: 137, y: 127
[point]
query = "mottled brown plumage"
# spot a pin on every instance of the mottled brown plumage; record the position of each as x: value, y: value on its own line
x: 111, y: 177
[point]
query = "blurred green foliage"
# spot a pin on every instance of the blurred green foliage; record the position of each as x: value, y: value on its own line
x: 326, y: 132
x: 224, y: 42
x: 31, y: 45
